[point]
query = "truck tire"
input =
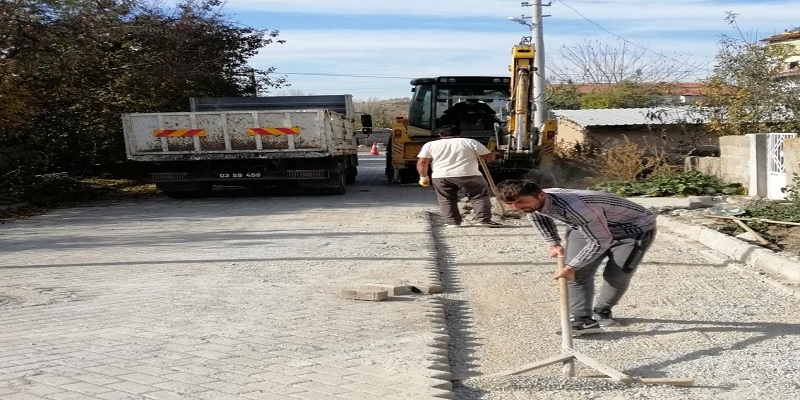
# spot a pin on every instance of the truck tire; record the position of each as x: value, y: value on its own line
x: 341, y: 182
x: 350, y: 173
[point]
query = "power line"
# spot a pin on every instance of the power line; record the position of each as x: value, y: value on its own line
x: 623, y: 38
x: 376, y: 76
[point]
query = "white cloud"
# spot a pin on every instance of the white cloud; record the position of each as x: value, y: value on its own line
x: 450, y: 8
x: 411, y: 53
x: 679, y: 14
x: 681, y: 28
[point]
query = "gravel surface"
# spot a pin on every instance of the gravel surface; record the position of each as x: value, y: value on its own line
x: 689, y: 314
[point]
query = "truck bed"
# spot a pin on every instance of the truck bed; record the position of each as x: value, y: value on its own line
x: 221, y: 135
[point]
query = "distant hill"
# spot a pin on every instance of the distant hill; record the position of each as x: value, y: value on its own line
x: 383, y: 111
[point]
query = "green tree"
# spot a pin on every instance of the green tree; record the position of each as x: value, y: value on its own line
x: 564, y: 97
x: 746, y: 93
x: 622, y: 95
x: 68, y: 69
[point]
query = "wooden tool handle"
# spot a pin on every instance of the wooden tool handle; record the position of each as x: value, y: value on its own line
x: 568, y: 368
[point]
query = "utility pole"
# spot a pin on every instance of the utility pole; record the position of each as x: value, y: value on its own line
x: 539, y: 83
x: 251, y: 73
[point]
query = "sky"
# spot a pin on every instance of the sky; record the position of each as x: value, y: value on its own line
x: 372, y: 48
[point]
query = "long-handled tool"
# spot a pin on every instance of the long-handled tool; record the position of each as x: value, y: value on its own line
x: 492, y: 186
x: 569, y: 355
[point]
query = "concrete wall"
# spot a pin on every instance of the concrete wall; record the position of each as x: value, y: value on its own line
x: 706, y: 165
x: 734, y: 159
x: 791, y: 156
x: 732, y: 164
x: 569, y: 133
x: 671, y: 138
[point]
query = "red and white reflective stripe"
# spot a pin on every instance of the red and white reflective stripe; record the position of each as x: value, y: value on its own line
x: 397, y: 148
x: 295, y: 130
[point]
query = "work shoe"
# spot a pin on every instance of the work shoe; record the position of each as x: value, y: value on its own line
x: 604, y: 318
x: 489, y: 224
x: 452, y: 225
x: 584, y: 325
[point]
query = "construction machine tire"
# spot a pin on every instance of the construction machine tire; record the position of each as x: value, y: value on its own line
x: 408, y: 175
x: 389, y: 167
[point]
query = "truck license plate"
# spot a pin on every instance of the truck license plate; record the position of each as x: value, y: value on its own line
x: 237, y: 175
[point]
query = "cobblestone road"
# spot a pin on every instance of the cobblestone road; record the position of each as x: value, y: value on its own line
x: 221, y: 298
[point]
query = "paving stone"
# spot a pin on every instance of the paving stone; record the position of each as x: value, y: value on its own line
x: 364, y: 294
x: 222, y: 295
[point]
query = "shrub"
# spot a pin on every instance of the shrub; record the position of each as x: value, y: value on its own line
x: 625, y: 162
x: 686, y: 183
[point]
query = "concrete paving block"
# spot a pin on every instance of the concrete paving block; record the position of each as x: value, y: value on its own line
x: 736, y: 249
x: 441, y: 352
x: 744, y: 251
x: 365, y: 294
x: 440, y: 367
x: 752, y: 257
x: 777, y: 265
x: 439, y: 345
x: 442, y: 338
x: 426, y: 288
x: 719, y: 241
x: 393, y: 290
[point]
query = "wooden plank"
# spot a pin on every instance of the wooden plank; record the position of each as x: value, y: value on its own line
x: 611, y: 372
x: 665, y: 381
x: 769, y: 221
x: 529, y: 367
x: 752, y: 232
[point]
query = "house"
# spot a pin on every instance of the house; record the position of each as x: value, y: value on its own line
x: 677, y: 130
x: 789, y: 37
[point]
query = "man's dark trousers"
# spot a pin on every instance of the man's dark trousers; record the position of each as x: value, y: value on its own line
x: 475, y: 187
x: 621, y: 258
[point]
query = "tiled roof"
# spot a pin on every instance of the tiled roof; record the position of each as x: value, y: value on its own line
x: 627, y: 116
x: 790, y: 34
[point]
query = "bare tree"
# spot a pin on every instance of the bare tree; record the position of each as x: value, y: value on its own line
x: 597, y: 62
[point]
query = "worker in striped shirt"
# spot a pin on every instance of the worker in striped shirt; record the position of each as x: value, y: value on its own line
x: 600, y: 227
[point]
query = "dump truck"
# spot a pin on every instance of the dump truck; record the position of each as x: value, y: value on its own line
x: 495, y: 110
x: 304, y: 141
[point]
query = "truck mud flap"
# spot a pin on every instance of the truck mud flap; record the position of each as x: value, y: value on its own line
x: 335, y: 184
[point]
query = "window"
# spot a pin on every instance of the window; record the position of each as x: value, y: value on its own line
x: 420, y: 113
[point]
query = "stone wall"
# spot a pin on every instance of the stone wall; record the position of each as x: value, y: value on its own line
x: 671, y: 138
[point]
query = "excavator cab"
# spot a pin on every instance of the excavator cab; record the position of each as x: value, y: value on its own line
x: 473, y: 103
x: 480, y: 105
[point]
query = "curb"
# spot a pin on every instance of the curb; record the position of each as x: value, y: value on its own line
x: 736, y: 249
x: 441, y: 373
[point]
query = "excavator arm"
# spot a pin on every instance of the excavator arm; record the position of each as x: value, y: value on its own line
x: 519, y: 122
